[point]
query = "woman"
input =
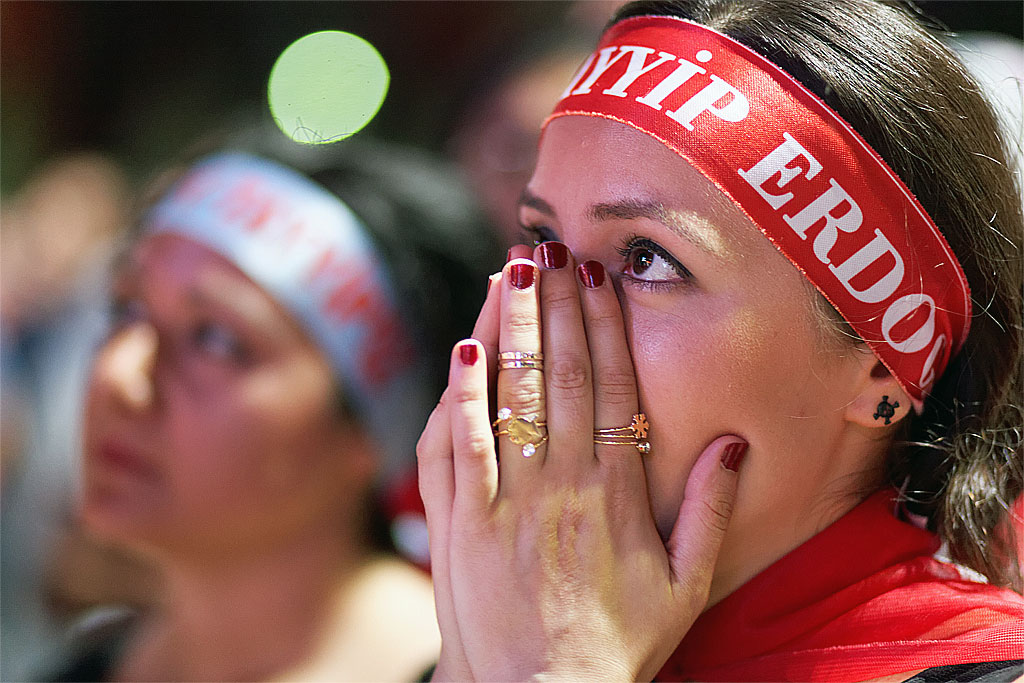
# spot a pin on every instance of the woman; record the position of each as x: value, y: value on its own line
x: 703, y: 469
x: 266, y: 369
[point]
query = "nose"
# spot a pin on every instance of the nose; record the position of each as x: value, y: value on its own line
x: 125, y: 367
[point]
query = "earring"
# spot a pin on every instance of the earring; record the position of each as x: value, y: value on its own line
x: 886, y: 409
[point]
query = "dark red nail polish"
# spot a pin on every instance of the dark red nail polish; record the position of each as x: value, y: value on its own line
x: 554, y: 255
x: 591, y: 274
x: 522, y: 275
x: 467, y: 354
x: 508, y: 255
x: 733, y: 455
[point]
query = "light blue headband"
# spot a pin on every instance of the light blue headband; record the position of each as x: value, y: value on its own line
x: 308, y: 250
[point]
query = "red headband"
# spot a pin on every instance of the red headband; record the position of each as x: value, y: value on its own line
x: 802, y: 175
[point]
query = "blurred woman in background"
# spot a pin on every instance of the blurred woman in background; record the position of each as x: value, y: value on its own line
x: 268, y: 367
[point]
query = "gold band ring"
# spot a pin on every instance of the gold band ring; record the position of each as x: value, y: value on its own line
x: 504, y: 364
x: 635, y: 434
x: 510, y: 360
x: 520, y: 355
x: 527, y: 432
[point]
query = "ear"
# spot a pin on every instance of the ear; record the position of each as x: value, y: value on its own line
x: 879, y: 401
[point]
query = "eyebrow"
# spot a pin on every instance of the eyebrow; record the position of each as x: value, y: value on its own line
x: 529, y: 199
x: 692, y: 228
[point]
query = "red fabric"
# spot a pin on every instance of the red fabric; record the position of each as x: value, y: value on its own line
x: 802, y: 175
x: 862, y: 599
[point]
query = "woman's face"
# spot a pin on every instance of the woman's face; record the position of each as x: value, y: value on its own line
x: 723, y: 331
x: 210, y: 420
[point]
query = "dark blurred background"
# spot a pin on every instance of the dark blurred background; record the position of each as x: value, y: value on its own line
x: 139, y: 79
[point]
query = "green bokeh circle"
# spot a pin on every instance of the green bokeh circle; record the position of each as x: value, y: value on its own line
x: 326, y: 86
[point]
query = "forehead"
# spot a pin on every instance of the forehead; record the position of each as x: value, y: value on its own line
x: 586, y: 159
x: 181, y: 261
x: 185, y: 273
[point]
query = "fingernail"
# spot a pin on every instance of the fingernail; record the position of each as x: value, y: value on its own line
x: 554, y: 255
x: 508, y: 255
x: 733, y: 455
x: 467, y: 354
x: 591, y: 274
x: 521, y: 274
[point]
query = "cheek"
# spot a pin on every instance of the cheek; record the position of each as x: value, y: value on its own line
x: 723, y: 368
x: 256, y: 439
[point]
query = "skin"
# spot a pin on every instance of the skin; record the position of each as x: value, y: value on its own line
x: 710, y: 331
x: 213, y: 444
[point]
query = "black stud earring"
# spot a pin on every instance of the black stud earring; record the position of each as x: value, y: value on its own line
x: 886, y: 409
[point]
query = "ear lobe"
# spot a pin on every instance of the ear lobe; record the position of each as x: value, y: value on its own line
x: 881, y: 401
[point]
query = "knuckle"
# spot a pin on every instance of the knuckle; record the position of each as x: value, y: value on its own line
x: 422, y: 447
x: 478, y: 443
x: 716, y: 513
x: 463, y: 396
x: 522, y: 321
x: 560, y: 300
x: 525, y: 400
x: 616, y: 383
x: 569, y: 376
x: 605, y: 320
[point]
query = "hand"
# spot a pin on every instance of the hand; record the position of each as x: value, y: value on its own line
x: 552, y: 565
x: 437, y: 487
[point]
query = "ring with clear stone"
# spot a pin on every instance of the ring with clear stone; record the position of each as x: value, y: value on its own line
x: 525, y: 431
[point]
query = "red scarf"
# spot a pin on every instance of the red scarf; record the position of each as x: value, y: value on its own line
x: 862, y: 599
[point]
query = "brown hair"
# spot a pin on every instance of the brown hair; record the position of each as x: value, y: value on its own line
x: 879, y: 67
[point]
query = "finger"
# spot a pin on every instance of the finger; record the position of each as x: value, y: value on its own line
x: 569, y: 395
x: 434, y: 449
x: 518, y: 251
x: 485, y: 331
x: 436, y: 475
x: 476, y: 472
x: 615, y: 394
x: 704, y: 514
x: 520, y: 390
x: 437, y: 489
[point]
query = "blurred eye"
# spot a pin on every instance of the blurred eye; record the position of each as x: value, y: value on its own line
x: 126, y: 311
x: 647, y: 261
x: 219, y: 341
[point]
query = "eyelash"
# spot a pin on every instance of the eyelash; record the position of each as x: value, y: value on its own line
x: 632, y: 242
x: 537, y: 235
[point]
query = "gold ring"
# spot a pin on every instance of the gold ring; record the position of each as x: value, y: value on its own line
x: 520, y: 355
x: 635, y: 434
x: 527, y: 432
x: 509, y: 360
x: 508, y: 364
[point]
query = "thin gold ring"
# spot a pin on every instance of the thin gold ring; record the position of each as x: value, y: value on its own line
x: 520, y: 355
x: 510, y: 364
x: 634, y: 434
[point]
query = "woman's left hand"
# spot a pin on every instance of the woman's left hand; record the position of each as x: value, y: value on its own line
x: 552, y: 564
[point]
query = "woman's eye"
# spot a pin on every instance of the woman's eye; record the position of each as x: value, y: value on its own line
x: 536, y: 235
x: 649, y: 262
x: 219, y: 341
x: 126, y: 311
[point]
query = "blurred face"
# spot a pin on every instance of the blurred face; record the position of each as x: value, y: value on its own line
x: 722, y: 329
x: 210, y: 419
